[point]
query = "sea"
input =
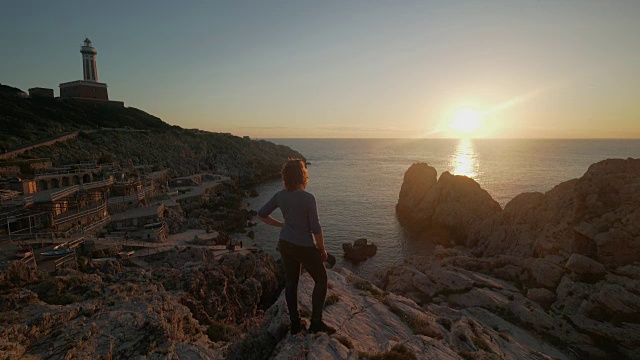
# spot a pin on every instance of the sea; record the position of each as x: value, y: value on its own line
x: 356, y: 183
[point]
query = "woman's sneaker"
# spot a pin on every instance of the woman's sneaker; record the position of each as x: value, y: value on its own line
x: 320, y: 326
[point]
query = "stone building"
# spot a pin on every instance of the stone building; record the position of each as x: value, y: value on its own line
x: 41, y: 92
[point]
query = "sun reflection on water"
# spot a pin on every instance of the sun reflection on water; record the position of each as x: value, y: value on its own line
x: 463, y: 161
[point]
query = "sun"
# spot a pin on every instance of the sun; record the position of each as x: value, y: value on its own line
x: 466, y: 121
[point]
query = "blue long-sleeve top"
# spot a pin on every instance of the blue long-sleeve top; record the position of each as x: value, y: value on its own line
x: 300, y: 216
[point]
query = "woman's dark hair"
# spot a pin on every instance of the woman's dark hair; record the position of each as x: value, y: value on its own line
x: 294, y: 174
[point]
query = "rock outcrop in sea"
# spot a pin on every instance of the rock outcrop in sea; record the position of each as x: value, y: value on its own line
x: 359, y: 251
x: 596, y: 215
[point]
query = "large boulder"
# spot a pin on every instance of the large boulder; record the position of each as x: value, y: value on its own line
x: 542, y: 296
x: 607, y: 198
x: 542, y: 273
x: 454, y: 203
x: 612, y: 302
x: 418, y: 180
x: 583, y: 265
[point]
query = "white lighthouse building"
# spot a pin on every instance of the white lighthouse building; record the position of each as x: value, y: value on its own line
x: 89, y: 88
x: 89, y: 64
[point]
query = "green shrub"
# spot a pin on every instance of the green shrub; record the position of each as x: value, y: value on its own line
x: 219, y: 331
x: 398, y: 352
x: 61, y: 299
x: 344, y: 341
x: 418, y: 325
x: 364, y: 285
x: 331, y: 299
x: 255, y: 346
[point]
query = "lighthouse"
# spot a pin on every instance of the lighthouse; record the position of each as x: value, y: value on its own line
x: 89, y: 64
x: 90, y: 87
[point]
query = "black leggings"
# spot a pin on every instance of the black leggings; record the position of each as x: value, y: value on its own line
x: 308, y: 256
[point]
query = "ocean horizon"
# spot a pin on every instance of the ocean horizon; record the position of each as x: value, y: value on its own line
x: 356, y: 182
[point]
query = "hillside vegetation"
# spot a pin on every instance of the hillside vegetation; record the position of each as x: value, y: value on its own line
x: 25, y: 120
x: 182, y: 151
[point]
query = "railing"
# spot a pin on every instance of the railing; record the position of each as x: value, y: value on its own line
x: 9, y: 195
x: 81, y: 214
x: 45, y: 236
x: 104, y: 221
x: 75, y: 243
x: 30, y: 259
x: 107, y: 165
x: 64, y: 192
x: 97, y: 184
x: 34, y: 236
x: 127, y: 198
x: 70, y: 244
x: 68, y: 260
x: 45, y: 174
x: 156, y: 174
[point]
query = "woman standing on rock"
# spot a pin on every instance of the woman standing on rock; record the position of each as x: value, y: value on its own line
x: 297, y: 247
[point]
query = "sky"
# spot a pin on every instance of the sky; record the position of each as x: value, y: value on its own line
x: 349, y: 69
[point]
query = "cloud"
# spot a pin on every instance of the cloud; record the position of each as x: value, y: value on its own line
x: 270, y: 127
x: 365, y: 128
x: 519, y: 99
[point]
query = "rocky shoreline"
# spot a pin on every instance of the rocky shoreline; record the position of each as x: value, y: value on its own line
x: 550, y: 276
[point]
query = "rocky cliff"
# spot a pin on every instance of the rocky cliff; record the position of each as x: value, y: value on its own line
x: 570, y: 257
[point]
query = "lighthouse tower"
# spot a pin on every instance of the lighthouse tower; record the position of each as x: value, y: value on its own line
x: 90, y: 87
x: 89, y: 64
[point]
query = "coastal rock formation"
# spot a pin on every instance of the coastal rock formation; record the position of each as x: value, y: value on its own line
x: 597, y: 215
x: 173, y: 308
x: 590, y: 320
x: 359, y: 251
x: 538, y: 280
x: 453, y: 203
x: 574, y: 251
x: 371, y: 322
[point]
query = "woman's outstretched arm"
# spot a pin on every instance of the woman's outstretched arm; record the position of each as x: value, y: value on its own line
x: 270, y: 220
